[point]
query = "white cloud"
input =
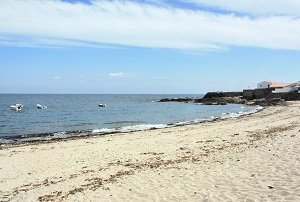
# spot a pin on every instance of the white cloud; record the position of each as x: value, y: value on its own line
x: 56, y: 78
x: 117, y: 74
x: 53, y: 22
x: 122, y: 75
x: 256, y: 7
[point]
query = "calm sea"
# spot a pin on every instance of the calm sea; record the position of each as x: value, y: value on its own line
x: 68, y: 115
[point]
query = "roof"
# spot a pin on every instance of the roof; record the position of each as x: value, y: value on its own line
x: 274, y: 84
x: 295, y: 84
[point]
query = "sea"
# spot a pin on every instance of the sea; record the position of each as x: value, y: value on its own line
x: 80, y: 115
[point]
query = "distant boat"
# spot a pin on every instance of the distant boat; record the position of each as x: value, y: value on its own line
x: 17, y: 107
x: 102, y: 105
x: 41, y: 106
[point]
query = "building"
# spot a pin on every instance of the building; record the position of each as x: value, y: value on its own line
x: 271, y: 84
x: 294, y: 87
x: 271, y: 89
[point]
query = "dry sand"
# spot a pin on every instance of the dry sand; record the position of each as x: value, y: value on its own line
x: 252, y: 158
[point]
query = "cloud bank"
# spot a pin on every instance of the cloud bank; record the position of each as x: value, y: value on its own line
x: 128, y: 23
x: 255, y: 7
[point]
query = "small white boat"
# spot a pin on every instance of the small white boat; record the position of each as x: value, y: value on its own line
x: 17, y: 107
x: 102, y: 105
x: 41, y: 106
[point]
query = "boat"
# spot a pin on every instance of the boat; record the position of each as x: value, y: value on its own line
x: 17, y: 107
x: 102, y: 105
x: 41, y: 106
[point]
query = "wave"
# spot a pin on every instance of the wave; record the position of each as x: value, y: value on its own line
x: 122, y: 122
x: 125, y: 129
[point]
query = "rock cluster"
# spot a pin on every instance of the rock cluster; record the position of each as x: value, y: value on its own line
x: 221, y: 100
x: 226, y: 98
x: 182, y: 99
x: 270, y: 102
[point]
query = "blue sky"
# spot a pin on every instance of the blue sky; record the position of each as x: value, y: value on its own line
x: 149, y: 46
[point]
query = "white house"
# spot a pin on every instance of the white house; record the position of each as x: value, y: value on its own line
x: 271, y: 84
x: 294, y: 87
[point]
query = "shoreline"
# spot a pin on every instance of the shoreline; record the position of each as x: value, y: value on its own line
x: 254, y: 158
x: 20, y: 140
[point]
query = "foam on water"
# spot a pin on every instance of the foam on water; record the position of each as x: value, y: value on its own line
x: 103, y: 130
x: 127, y: 129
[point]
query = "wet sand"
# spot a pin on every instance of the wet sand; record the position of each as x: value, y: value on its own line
x: 251, y: 158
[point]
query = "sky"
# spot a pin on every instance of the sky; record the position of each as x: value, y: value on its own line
x: 147, y: 46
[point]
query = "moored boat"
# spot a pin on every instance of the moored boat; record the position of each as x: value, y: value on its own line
x: 41, y: 106
x: 17, y: 107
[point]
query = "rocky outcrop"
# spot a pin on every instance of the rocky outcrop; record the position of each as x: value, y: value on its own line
x: 269, y: 102
x: 221, y: 100
x: 182, y: 99
x: 208, y: 101
x: 211, y: 95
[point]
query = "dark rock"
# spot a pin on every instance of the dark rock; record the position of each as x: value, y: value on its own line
x: 224, y: 98
x: 221, y: 101
x: 210, y: 95
x: 186, y: 100
x: 270, y: 102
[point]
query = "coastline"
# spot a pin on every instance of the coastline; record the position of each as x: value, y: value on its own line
x: 253, y: 157
x: 9, y: 141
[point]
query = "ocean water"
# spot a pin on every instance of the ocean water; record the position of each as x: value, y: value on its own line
x: 75, y: 115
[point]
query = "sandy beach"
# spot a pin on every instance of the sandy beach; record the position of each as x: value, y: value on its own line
x: 251, y: 158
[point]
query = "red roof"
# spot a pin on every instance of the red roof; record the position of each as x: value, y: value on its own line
x: 274, y: 84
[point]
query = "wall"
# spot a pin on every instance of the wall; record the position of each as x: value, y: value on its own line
x: 286, y: 89
x: 283, y: 90
x: 291, y: 96
x: 248, y: 94
x: 257, y: 93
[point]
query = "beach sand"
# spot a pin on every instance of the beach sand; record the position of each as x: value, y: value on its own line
x: 251, y: 158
